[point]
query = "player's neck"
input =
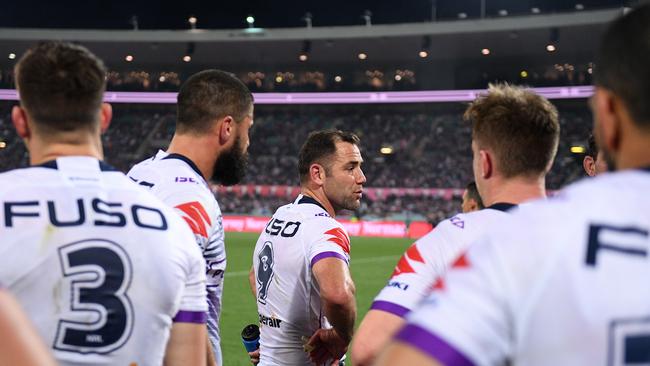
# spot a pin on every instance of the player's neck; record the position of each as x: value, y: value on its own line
x: 320, y: 197
x: 515, y: 190
x: 41, y: 151
x: 634, y: 154
x: 196, y: 149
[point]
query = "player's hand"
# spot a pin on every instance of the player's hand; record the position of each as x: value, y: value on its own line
x: 255, y: 356
x: 326, y: 345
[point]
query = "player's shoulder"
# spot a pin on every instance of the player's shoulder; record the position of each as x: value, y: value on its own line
x: 174, y: 180
x: 470, y: 222
x: 171, y: 170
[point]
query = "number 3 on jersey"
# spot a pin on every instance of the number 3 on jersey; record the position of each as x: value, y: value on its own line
x: 100, y: 318
x: 264, y: 271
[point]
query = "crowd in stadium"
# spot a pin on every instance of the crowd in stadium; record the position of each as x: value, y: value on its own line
x: 373, y: 79
x: 429, y: 148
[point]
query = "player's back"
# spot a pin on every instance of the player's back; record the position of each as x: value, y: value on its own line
x: 587, y: 301
x: 562, y: 282
x: 424, y: 263
x: 177, y: 181
x: 96, y: 262
x: 288, y: 301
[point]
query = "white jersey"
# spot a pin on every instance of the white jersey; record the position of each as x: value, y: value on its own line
x: 562, y: 282
x: 82, y: 247
x: 420, y: 269
x: 288, y: 298
x: 177, y: 181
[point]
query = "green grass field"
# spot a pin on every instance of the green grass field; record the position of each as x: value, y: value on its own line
x: 373, y: 260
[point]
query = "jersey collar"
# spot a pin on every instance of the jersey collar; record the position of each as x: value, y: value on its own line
x: 52, y: 164
x: 186, y: 160
x: 306, y: 199
x: 502, y: 206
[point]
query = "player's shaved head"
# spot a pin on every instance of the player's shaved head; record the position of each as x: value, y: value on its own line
x: 320, y: 147
x: 210, y: 95
x: 61, y: 86
x: 622, y: 63
x: 520, y: 127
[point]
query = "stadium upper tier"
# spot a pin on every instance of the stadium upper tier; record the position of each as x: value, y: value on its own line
x: 458, y: 54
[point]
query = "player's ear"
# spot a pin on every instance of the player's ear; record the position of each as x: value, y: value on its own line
x: 589, y: 165
x: 486, y: 164
x: 19, y: 119
x: 226, y: 129
x: 106, y: 115
x: 317, y: 173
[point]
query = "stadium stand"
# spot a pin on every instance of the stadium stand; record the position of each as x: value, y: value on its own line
x: 429, y: 147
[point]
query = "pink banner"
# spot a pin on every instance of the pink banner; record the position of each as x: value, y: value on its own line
x: 383, y: 229
x: 372, y: 193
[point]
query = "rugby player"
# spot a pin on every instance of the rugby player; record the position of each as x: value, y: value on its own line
x: 515, y: 135
x: 593, y: 162
x: 215, y: 112
x: 563, y: 282
x: 304, y: 292
x: 82, y: 247
x: 471, y: 199
x: 20, y: 344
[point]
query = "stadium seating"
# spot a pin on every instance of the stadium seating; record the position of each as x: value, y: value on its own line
x: 429, y: 145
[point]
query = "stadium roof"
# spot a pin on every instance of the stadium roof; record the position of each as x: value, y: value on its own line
x: 118, y: 14
x: 574, y: 34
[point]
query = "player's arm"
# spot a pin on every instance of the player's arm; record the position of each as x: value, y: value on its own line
x: 412, y: 280
x: 192, y: 207
x: 402, y: 354
x: 337, y: 295
x: 375, y: 331
x: 20, y: 343
x: 469, y: 320
x: 252, y: 282
x: 187, y: 345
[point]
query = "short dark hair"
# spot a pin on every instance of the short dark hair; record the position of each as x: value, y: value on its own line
x: 319, y: 147
x: 519, y: 126
x: 61, y: 85
x: 472, y: 192
x: 622, y: 63
x: 592, y: 148
x: 210, y: 95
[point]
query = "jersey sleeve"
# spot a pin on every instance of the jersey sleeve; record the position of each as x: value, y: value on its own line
x: 203, y: 216
x: 467, y: 321
x: 418, y: 272
x: 193, y: 306
x: 330, y: 240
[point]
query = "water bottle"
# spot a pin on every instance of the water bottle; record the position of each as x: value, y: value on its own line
x: 250, y: 336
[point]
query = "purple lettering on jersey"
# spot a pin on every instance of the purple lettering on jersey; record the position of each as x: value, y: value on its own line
x: 457, y: 221
x: 432, y: 345
x: 184, y: 316
x: 184, y: 179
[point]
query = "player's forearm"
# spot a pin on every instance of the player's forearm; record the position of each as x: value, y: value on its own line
x: 252, y: 282
x: 341, y: 311
x: 373, y: 335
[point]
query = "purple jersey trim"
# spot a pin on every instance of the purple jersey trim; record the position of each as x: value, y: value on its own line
x: 390, y: 307
x: 191, y: 317
x: 324, y: 255
x: 433, y: 346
